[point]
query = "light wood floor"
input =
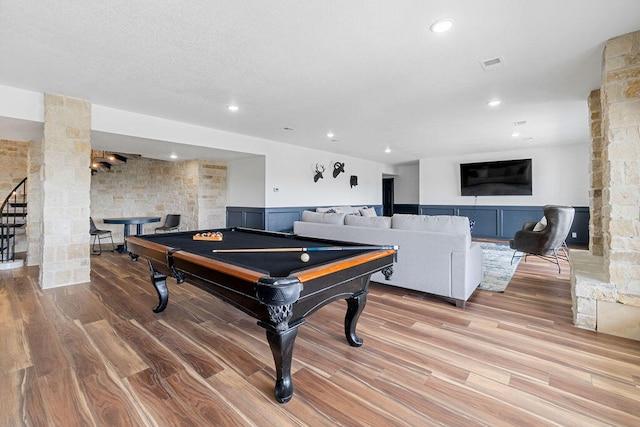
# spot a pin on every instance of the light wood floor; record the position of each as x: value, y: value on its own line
x: 95, y: 354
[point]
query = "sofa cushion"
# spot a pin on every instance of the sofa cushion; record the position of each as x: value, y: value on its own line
x: 438, y: 223
x: 371, y: 221
x: 324, y: 218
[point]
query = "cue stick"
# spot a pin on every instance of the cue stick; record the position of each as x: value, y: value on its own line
x: 311, y: 249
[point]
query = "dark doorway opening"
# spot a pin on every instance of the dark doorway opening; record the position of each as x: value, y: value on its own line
x: 387, y: 196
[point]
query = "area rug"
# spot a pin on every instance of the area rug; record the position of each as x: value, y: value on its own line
x: 497, y: 266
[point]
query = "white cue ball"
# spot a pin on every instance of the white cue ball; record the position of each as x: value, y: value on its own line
x: 304, y: 257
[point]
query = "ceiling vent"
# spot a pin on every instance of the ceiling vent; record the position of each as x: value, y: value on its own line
x: 492, y: 64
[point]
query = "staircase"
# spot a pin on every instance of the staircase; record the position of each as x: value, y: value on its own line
x: 13, y: 213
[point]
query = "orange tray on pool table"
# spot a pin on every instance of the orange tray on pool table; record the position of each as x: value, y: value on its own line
x: 212, y: 236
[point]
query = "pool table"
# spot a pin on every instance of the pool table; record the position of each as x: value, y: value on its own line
x: 276, y: 288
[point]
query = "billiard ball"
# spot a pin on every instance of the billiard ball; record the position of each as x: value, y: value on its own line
x: 304, y: 257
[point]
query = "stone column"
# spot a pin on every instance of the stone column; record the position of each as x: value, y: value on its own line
x: 34, y: 203
x: 621, y: 196
x: 606, y: 287
x: 66, y: 183
x: 596, y: 169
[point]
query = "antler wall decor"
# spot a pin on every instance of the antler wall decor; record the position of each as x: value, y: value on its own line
x: 319, y: 171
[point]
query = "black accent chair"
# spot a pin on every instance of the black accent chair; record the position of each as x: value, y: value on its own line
x: 171, y: 222
x: 545, y: 241
x: 98, y: 235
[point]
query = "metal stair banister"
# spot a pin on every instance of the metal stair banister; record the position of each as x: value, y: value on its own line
x: 13, y: 208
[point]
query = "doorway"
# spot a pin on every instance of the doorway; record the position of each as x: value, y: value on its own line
x: 387, y: 196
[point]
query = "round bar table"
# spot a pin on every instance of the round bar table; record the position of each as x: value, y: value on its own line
x: 127, y: 221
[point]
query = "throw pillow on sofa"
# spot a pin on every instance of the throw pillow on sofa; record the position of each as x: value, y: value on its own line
x: 348, y: 210
x: 324, y: 218
x: 364, y: 221
x: 368, y: 212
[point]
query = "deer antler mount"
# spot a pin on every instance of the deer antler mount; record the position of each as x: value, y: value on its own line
x: 319, y: 171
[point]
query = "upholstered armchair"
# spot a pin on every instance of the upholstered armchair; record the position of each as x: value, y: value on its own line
x: 545, y: 240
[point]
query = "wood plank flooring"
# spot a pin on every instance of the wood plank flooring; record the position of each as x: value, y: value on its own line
x: 96, y: 355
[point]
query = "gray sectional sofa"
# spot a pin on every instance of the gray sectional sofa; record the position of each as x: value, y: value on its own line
x: 435, y: 255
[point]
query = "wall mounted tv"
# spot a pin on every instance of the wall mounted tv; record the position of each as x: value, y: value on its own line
x: 501, y: 178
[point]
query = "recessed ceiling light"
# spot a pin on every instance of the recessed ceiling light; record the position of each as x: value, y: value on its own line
x: 174, y: 156
x: 330, y: 135
x: 233, y: 107
x: 515, y: 134
x: 441, y: 25
x: 387, y: 150
x: 494, y: 103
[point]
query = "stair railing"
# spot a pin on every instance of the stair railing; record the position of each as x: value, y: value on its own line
x: 12, y: 211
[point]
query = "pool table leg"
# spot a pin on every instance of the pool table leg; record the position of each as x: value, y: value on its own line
x: 159, y: 281
x: 355, y: 306
x: 281, y: 343
x: 279, y: 296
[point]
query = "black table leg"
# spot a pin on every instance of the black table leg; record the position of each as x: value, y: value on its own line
x: 159, y: 281
x: 281, y: 343
x: 123, y: 247
x: 355, y: 306
x: 281, y: 334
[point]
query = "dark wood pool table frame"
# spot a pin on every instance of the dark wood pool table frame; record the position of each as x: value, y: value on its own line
x: 280, y: 304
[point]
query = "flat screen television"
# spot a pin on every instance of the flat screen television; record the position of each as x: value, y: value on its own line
x: 500, y: 178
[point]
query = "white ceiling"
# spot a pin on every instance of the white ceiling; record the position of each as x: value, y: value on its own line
x: 370, y: 71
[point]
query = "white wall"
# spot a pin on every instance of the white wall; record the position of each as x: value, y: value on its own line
x: 21, y: 104
x: 288, y: 168
x: 21, y: 114
x: 291, y: 171
x: 281, y: 180
x: 406, y: 185
x: 246, y: 182
x: 560, y: 176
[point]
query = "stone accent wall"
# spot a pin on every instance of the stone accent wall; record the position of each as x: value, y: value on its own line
x: 606, y: 286
x: 194, y: 189
x: 66, y: 180
x: 596, y: 169
x: 13, y: 164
